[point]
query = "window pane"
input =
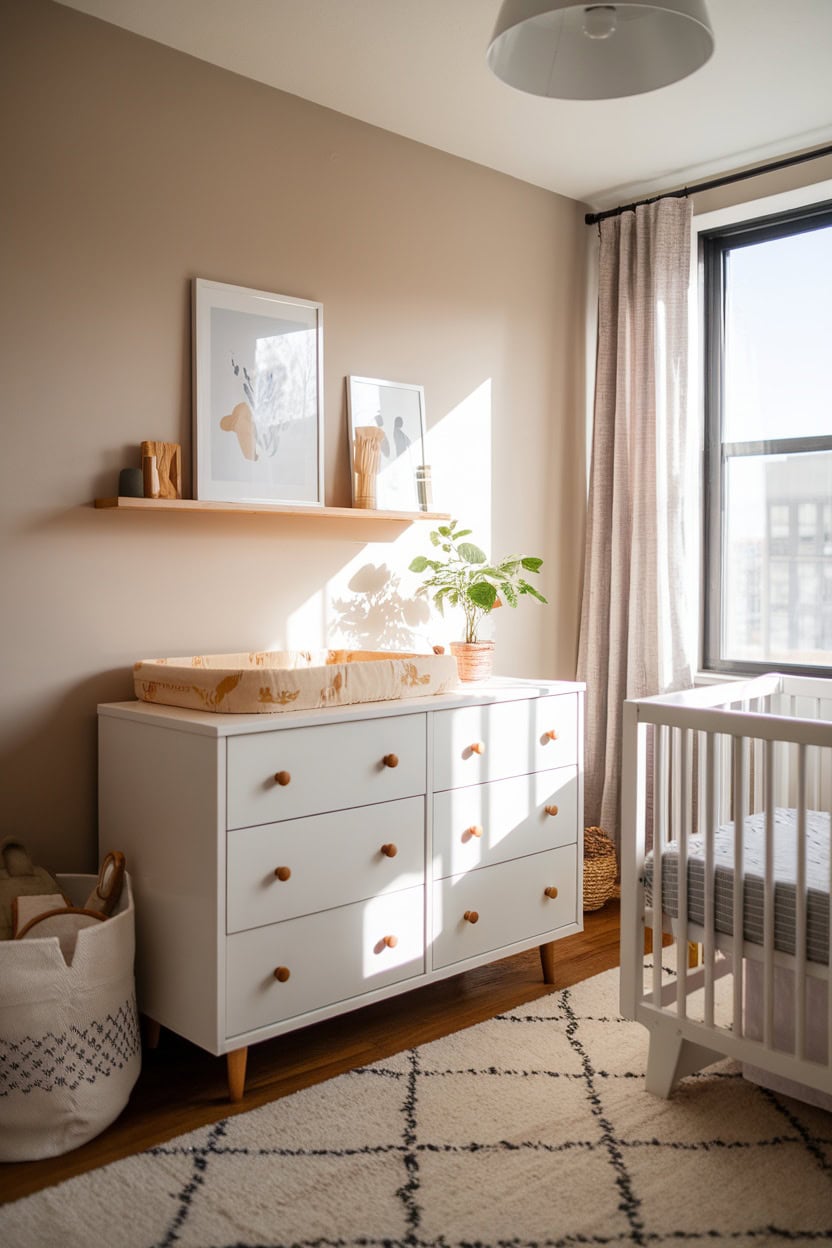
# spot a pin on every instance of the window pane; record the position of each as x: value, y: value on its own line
x: 778, y: 327
x: 778, y: 527
x: 777, y: 561
x: 768, y: 388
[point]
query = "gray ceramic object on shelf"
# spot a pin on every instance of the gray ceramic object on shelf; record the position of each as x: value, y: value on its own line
x: 131, y: 483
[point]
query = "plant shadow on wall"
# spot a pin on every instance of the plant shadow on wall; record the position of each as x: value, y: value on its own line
x: 378, y: 616
x: 460, y: 575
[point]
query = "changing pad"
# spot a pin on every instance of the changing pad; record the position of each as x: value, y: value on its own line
x: 291, y: 680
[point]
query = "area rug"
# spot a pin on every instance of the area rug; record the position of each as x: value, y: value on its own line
x: 532, y: 1130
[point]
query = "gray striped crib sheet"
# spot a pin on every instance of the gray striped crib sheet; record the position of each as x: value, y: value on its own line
x: 785, y: 875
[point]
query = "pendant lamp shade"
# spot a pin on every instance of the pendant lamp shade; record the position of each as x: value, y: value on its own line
x: 572, y: 51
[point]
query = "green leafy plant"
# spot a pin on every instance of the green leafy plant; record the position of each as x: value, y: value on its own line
x: 461, y: 576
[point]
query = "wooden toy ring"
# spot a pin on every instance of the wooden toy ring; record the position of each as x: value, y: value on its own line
x: 111, y: 877
x: 74, y: 913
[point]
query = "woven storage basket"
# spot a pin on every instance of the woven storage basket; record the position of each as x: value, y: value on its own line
x: 600, y: 869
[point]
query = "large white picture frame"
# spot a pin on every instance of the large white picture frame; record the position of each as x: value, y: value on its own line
x: 398, y: 409
x: 258, y: 425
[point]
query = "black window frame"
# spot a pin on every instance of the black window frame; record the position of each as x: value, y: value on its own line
x: 714, y: 245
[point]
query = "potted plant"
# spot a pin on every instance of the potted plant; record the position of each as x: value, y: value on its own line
x: 461, y: 576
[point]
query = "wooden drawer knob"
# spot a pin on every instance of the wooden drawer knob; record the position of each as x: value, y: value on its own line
x: 551, y: 735
x: 550, y: 892
x: 474, y: 830
x: 390, y: 850
x: 551, y: 810
x: 391, y: 760
x: 283, y: 777
x: 471, y: 916
x: 283, y: 873
x: 478, y: 747
x: 282, y: 973
x: 391, y: 941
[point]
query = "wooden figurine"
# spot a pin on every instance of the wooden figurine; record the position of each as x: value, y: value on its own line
x: 366, y: 456
x: 168, y: 468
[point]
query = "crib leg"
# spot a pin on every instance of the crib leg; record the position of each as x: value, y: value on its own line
x: 671, y: 1057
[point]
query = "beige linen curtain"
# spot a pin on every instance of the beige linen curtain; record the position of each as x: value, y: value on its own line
x: 635, y: 617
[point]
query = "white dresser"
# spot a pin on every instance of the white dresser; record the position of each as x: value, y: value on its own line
x: 290, y: 867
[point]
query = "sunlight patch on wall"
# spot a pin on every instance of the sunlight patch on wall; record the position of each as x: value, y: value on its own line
x: 459, y: 453
x: 306, y: 627
x: 372, y: 602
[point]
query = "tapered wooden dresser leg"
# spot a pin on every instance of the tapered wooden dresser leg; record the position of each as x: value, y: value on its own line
x: 547, y: 961
x: 236, y: 1061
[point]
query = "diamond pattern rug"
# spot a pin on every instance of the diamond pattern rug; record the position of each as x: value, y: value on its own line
x: 531, y: 1130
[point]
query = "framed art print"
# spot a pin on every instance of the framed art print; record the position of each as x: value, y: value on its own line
x: 397, y: 410
x: 258, y: 396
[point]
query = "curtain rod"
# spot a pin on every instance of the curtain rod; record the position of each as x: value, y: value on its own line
x: 592, y: 218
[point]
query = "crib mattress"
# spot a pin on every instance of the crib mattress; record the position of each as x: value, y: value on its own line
x: 785, y: 876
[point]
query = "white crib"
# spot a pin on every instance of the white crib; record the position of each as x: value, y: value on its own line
x: 726, y: 800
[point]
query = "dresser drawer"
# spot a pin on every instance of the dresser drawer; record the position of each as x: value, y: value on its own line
x: 331, y: 860
x: 483, y: 824
x: 331, y: 957
x: 476, y: 743
x: 326, y: 767
x: 509, y: 901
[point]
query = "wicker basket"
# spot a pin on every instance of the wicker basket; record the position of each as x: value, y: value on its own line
x: 600, y: 869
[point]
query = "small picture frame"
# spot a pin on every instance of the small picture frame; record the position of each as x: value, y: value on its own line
x: 258, y: 396
x: 397, y: 410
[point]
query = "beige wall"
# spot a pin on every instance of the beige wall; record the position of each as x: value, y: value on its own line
x: 804, y: 174
x: 128, y: 170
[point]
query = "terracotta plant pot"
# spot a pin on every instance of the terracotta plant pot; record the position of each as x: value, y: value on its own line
x: 474, y: 659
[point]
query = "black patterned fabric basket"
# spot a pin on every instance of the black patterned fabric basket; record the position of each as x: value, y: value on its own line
x: 70, y: 1050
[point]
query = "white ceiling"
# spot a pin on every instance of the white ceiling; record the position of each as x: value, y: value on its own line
x: 417, y: 67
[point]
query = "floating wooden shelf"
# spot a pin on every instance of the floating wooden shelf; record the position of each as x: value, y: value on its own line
x: 269, y: 509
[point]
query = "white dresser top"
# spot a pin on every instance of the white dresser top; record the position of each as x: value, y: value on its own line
x: 212, y: 724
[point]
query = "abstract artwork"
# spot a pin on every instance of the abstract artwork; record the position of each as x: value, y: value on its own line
x: 394, y: 413
x: 258, y: 396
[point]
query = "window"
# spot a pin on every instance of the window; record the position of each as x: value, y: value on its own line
x: 768, y: 444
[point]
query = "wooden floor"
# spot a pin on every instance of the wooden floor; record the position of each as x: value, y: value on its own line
x: 181, y: 1087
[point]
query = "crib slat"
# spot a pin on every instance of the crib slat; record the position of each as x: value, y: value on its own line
x: 659, y: 822
x: 768, y: 902
x: 800, y: 909
x: 737, y: 924
x: 699, y: 772
x: 685, y: 811
x: 753, y: 781
x: 726, y: 810
x: 710, y: 828
x: 816, y: 757
x: 824, y: 756
x: 633, y: 837
x: 827, y: 754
